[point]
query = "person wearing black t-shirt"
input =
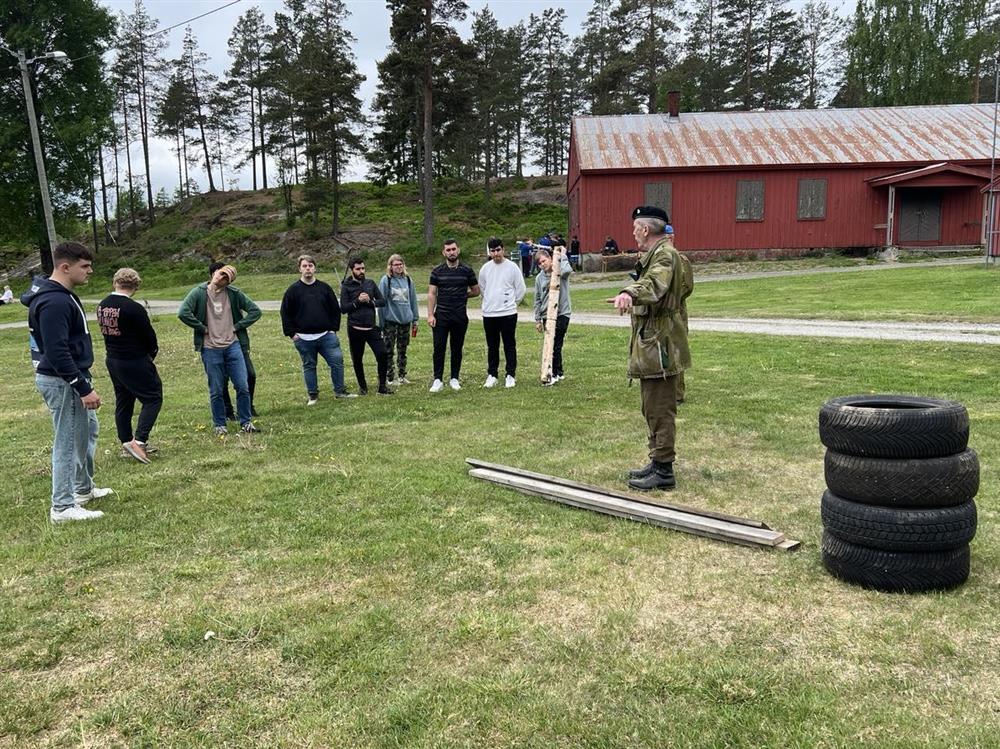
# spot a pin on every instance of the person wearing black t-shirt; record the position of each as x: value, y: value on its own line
x: 452, y: 283
x: 131, y: 348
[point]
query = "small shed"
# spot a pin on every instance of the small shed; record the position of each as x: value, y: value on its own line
x: 785, y: 182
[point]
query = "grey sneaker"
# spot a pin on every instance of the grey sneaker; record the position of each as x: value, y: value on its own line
x: 221, y: 431
x: 73, y: 513
x: 249, y: 428
x: 404, y: 381
x: 346, y: 394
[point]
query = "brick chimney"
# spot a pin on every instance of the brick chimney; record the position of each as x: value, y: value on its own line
x: 674, y: 103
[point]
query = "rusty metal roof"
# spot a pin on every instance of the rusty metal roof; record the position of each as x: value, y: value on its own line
x: 954, y: 132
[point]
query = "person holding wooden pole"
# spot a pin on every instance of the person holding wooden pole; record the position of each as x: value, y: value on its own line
x: 554, y: 317
x: 658, y: 349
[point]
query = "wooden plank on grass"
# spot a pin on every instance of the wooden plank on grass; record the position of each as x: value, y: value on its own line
x: 624, y: 508
x: 614, y: 493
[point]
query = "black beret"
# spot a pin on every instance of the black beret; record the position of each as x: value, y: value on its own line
x: 650, y: 211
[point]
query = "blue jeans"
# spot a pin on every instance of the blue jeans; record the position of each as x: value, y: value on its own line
x: 329, y: 348
x: 221, y: 363
x: 74, y: 443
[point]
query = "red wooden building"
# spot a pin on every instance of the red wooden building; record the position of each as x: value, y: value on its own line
x: 752, y: 182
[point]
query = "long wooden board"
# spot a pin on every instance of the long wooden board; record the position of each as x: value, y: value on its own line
x: 596, y: 500
x: 613, y: 493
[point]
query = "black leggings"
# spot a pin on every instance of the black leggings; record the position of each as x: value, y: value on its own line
x: 135, y: 380
x: 358, y: 339
x: 443, y: 330
x: 562, y: 325
x: 497, y: 329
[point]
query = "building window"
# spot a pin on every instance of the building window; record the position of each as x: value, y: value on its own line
x: 660, y: 194
x: 749, y: 200
x: 812, y: 199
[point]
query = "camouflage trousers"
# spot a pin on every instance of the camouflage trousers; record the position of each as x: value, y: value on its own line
x: 397, y: 338
x: 659, y: 407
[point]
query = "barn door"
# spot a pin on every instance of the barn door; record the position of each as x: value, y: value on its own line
x: 920, y: 216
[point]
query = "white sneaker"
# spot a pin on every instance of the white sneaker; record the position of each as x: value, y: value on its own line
x: 454, y: 384
x: 74, y: 513
x: 437, y: 386
x: 404, y: 381
x: 312, y: 401
x: 491, y: 381
x: 551, y: 382
x: 509, y: 382
x: 95, y: 493
x: 393, y: 383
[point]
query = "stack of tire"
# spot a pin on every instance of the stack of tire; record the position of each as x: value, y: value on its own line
x: 898, y: 513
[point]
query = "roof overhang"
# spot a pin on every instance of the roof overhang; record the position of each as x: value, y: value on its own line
x: 942, y: 174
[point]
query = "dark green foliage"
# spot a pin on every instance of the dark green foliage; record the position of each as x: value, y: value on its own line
x: 72, y: 104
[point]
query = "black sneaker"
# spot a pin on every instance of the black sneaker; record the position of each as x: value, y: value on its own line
x: 249, y: 428
x: 385, y: 391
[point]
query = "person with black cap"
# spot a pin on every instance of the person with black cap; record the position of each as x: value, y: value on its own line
x: 658, y: 349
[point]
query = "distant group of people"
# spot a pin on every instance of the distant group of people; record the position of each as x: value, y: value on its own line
x: 382, y: 317
x: 528, y: 251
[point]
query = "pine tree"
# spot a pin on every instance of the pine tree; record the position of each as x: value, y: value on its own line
x: 653, y: 25
x: 704, y: 76
x: 549, y: 90
x: 782, y: 81
x: 821, y: 27
x: 192, y: 67
x: 249, y: 47
x: 140, y: 67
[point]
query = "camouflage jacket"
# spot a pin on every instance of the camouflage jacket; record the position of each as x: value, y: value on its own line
x: 659, y: 345
x: 687, y: 280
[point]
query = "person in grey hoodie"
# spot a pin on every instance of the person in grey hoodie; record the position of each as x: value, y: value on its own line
x: 563, y: 310
x: 398, y: 318
x: 65, y: 354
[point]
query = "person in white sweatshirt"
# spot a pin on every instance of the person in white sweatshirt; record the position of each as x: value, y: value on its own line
x: 503, y: 288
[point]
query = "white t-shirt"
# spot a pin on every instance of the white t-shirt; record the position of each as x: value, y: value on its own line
x: 502, y: 287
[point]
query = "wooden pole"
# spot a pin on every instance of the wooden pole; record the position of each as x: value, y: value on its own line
x: 551, y: 313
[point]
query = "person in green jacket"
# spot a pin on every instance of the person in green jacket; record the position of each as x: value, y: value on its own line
x: 220, y: 314
x: 658, y: 348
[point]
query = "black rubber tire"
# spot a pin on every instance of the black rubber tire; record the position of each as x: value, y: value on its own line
x: 895, y: 571
x: 917, y: 482
x: 895, y: 529
x: 894, y: 426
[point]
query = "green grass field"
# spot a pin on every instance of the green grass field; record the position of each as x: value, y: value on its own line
x: 967, y: 292
x: 366, y: 592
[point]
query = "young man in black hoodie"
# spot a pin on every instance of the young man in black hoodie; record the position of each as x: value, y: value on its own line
x: 310, y: 316
x: 65, y: 355
x: 359, y: 296
x: 131, y: 346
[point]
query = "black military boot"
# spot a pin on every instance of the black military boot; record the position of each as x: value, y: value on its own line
x: 661, y: 477
x: 641, y: 473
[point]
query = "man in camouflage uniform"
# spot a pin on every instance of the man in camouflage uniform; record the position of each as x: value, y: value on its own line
x: 658, y: 349
x: 687, y: 276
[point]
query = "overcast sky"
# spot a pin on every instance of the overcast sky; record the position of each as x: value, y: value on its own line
x: 368, y: 21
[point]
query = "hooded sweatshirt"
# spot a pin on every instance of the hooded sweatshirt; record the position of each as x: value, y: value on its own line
x: 58, y: 326
x: 400, y: 300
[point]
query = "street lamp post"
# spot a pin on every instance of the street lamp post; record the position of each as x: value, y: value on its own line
x: 29, y: 101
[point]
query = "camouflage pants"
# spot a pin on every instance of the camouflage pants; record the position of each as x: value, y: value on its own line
x: 659, y: 407
x: 397, y: 338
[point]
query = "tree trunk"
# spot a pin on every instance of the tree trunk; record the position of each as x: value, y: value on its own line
x: 128, y: 167
x: 253, y: 140
x: 428, y: 96
x: 335, y: 162
x: 180, y: 173
x: 118, y: 191
x: 201, y: 127
x: 144, y: 129
x: 93, y: 200
x: 187, y: 177
x: 260, y: 124
x: 104, y: 196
